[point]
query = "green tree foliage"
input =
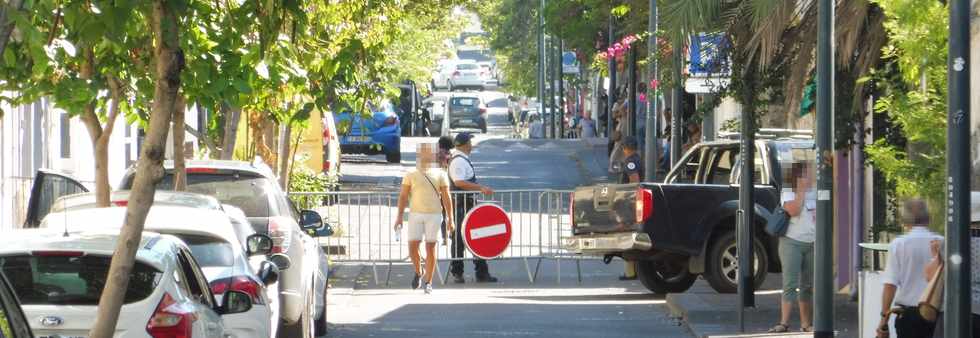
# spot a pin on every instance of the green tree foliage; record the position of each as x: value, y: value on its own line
x: 914, y: 86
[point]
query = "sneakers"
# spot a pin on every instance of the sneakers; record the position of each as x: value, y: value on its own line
x: 415, y: 281
x: 458, y: 279
x: 428, y: 288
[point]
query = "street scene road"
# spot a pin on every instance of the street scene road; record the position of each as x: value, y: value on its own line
x: 489, y: 168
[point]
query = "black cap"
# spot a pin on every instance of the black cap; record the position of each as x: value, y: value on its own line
x: 463, y: 138
x: 629, y: 142
x: 446, y: 142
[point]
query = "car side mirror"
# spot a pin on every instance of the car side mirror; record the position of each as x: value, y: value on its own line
x: 269, y: 273
x: 258, y: 244
x: 310, y: 220
x: 281, y: 261
x: 325, y: 231
x: 235, y: 302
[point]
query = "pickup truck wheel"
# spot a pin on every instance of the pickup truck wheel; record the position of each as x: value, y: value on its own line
x: 722, y: 264
x: 665, y: 276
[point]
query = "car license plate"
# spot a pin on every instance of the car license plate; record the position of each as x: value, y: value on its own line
x: 588, y: 243
x: 357, y: 139
x: 467, y: 121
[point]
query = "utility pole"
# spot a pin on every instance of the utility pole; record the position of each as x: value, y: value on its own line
x: 651, y: 146
x: 823, y: 276
x: 561, y: 89
x: 541, y: 57
x: 676, y: 106
x: 957, y: 307
x: 555, y: 81
x: 549, y: 114
x: 611, y: 96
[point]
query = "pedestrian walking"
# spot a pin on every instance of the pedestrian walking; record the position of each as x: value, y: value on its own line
x: 425, y: 190
x: 908, y: 256
x: 586, y: 127
x: 463, y: 181
x: 445, y: 144
x: 536, y: 128
x: 796, y: 248
x: 930, y: 273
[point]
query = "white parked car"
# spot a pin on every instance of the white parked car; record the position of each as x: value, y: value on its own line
x: 444, y: 71
x: 468, y: 75
x: 215, y: 245
x: 59, y: 278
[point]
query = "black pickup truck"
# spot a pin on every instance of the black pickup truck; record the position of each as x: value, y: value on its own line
x: 685, y: 227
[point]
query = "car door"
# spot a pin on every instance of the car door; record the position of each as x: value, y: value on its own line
x: 209, y: 323
x: 48, y: 186
x: 11, y: 313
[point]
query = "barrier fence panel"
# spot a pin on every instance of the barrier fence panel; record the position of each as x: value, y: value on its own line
x: 363, y: 224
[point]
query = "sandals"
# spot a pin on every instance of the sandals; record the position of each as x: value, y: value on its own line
x: 806, y: 329
x: 779, y: 328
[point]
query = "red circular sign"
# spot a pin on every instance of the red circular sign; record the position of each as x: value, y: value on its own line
x: 486, y: 231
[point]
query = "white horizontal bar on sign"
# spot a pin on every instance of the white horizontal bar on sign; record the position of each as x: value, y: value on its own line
x: 488, y: 231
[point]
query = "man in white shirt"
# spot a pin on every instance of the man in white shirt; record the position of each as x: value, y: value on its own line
x: 536, y: 130
x: 462, y: 178
x: 908, y: 256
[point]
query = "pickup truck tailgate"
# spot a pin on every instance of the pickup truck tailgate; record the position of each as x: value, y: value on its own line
x: 604, y: 208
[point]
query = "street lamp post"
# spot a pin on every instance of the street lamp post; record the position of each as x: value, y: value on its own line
x: 651, y: 147
x: 957, y: 307
x: 541, y: 59
x: 823, y: 276
x: 561, y: 90
x: 611, y: 96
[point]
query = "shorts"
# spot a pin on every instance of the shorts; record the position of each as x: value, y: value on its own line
x: 420, y: 224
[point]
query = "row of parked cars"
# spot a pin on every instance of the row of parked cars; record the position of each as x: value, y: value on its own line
x: 232, y: 257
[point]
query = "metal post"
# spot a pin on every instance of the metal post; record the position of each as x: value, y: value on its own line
x: 541, y: 65
x: 957, y: 308
x: 744, y: 240
x: 652, y: 147
x: 823, y: 276
x: 708, y: 123
x: 561, y: 89
x: 612, y: 79
x: 677, y: 116
x: 631, y: 73
x: 549, y: 127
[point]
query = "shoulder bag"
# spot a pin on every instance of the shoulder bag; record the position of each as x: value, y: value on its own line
x: 442, y: 204
x: 932, y: 297
x: 777, y: 222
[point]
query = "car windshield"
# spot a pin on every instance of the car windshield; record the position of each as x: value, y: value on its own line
x: 473, y: 54
x: 467, y: 66
x: 465, y: 101
x: 78, y: 280
x: 249, y: 193
x: 209, y: 251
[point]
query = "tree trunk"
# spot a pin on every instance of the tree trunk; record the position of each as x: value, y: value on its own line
x: 180, y: 174
x: 203, y: 136
x: 8, y: 27
x: 232, y: 116
x: 169, y: 62
x: 284, y: 134
x: 99, y: 135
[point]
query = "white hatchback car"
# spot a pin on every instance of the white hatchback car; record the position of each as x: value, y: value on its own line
x: 215, y: 245
x: 59, y: 278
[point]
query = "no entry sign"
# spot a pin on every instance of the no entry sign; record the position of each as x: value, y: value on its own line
x: 486, y: 231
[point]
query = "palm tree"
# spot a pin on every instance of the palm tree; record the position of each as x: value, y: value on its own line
x: 773, y: 44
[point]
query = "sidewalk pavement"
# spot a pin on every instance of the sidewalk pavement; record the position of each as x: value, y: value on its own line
x: 709, y: 314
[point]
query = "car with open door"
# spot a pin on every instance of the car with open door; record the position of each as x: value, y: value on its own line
x: 58, y: 278
x: 214, y: 243
x: 253, y: 188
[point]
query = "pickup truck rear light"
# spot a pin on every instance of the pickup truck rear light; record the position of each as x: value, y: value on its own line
x: 281, y: 234
x: 571, y: 207
x: 171, y: 320
x: 644, y: 205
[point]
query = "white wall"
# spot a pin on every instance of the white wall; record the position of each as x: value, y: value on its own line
x: 31, y: 138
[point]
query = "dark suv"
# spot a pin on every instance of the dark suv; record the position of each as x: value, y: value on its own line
x: 467, y: 111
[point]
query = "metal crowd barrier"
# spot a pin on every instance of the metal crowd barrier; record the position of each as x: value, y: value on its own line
x: 363, y: 224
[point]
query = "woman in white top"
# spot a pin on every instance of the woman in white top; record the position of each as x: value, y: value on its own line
x: 796, y: 248
x: 426, y: 191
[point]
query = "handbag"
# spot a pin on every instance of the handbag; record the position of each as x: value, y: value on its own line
x: 777, y: 222
x: 932, y: 297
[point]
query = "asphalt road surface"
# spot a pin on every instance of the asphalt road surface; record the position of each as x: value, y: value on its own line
x: 369, y: 300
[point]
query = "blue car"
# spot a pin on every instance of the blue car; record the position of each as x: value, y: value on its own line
x: 380, y: 134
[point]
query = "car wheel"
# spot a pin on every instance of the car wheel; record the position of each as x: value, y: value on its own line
x: 320, y: 325
x: 665, y: 276
x: 722, y: 265
x: 393, y: 155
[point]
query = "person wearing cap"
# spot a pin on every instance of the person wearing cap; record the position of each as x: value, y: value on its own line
x: 908, y: 256
x: 632, y: 163
x: 462, y: 178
